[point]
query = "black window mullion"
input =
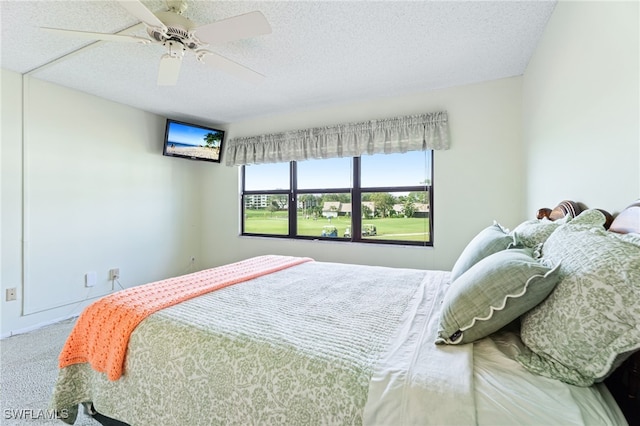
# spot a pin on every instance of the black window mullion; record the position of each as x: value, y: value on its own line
x: 430, y: 189
x: 242, y: 202
x: 356, y: 202
x: 293, y: 199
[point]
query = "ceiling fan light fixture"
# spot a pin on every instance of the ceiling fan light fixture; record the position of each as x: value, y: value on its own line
x: 169, y: 70
x: 175, y: 49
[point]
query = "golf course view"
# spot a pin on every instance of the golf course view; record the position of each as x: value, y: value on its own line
x: 326, y: 220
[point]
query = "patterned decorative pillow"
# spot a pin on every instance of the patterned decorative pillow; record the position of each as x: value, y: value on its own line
x: 531, y: 233
x: 591, y: 321
x: 492, y: 293
x: 490, y: 240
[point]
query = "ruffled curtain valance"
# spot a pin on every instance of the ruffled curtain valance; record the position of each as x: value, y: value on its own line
x: 392, y: 135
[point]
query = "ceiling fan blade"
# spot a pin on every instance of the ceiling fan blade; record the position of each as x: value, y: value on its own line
x: 250, y: 24
x: 140, y: 11
x: 221, y: 63
x: 169, y: 70
x: 97, y: 36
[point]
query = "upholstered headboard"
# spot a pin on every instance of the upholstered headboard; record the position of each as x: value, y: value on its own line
x: 573, y: 209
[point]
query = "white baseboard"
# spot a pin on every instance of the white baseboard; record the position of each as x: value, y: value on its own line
x: 37, y: 326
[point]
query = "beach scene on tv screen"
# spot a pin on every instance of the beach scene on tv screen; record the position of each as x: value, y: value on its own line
x: 191, y: 141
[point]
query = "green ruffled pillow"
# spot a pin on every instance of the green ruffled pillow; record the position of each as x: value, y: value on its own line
x: 490, y: 240
x: 591, y: 321
x: 492, y: 293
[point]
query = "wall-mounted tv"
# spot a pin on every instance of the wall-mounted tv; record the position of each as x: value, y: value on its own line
x: 192, y: 141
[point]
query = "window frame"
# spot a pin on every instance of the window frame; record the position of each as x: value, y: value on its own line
x: 355, y: 191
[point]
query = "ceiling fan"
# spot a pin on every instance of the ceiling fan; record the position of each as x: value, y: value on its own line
x: 179, y: 35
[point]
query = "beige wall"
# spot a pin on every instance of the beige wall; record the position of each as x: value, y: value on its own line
x: 581, y: 110
x: 478, y: 180
x: 95, y: 194
x: 98, y: 194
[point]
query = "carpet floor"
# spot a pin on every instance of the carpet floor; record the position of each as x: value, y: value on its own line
x: 29, y: 370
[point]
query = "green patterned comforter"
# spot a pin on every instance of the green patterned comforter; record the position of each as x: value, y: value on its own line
x: 297, y: 346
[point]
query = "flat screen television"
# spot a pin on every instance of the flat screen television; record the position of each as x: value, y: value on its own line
x: 192, y: 141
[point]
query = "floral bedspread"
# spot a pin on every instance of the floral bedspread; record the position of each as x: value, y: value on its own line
x: 295, y: 346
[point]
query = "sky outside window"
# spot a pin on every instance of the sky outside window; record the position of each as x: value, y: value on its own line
x: 379, y: 170
x: 325, y: 173
x: 260, y: 177
x: 406, y: 169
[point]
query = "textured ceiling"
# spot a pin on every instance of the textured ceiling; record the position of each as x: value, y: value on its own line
x: 319, y: 53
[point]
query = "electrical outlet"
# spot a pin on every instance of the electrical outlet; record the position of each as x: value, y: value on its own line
x: 11, y: 294
x: 114, y: 274
x: 90, y: 279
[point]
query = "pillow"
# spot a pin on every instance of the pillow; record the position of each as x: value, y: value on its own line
x: 591, y: 321
x: 492, y: 293
x: 531, y: 233
x: 490, y: 240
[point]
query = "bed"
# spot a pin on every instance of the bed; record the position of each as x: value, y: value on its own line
x: 288, y: 340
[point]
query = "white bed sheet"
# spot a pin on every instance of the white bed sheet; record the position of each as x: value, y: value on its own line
x: 507, y: 394
x: 419, y: 383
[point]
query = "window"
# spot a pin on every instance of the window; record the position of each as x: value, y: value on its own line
x: 381, y: 198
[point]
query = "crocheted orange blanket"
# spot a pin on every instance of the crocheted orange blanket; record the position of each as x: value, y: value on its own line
x: 101, y: 334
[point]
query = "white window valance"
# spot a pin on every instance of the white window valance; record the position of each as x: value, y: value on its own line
x: 391, y: 135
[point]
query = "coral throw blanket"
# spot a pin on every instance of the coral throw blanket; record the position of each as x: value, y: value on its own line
x: 101, y: 335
